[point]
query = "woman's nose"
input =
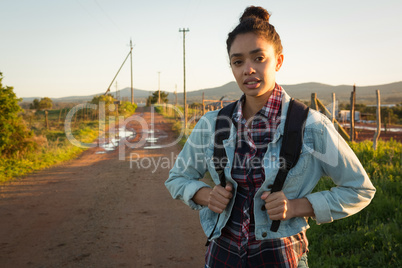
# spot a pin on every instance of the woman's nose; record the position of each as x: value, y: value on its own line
x: 248, y: 69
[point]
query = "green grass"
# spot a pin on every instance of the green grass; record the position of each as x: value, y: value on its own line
x: 54, y: 148
x: 53, y: 145
x: 372, y: 237
x: 177, y: 125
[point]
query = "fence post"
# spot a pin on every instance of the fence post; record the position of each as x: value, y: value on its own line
x: 333, y: 108
x: 314, y: 101
x: 46, y: 120
x: 340, y: 129
x: 203, y: 103
x: 60, y: 114
x: 378, y: 113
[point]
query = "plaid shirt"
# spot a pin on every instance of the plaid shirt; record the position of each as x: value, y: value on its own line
x: 237, y: 246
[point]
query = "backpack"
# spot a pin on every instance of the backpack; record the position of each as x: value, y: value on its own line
x: 290, y: 151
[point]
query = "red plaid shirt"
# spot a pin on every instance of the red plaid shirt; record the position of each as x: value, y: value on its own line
x: 237, y: 246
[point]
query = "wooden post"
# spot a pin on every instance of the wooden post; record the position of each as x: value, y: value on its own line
x: 75, y: 117
x: 352, y: 113
x: 378, y: 130
x: 314, y: 101
x: 46, y: 120
x: 333, y: 108
x: 341, y: 130
x: 60, y: 114
x: 203, y: 103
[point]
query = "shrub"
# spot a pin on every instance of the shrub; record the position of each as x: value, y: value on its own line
x: 15, y: 138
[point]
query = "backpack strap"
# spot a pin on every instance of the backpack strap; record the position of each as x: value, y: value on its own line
x: 222, y: 132
x: 291, y: 145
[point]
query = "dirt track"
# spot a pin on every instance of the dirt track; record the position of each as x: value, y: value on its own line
x: 97, y: 211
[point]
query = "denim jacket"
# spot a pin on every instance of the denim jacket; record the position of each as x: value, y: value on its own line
x: 324, y: 153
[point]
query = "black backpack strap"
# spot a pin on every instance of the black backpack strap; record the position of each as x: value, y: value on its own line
x: 222, y: 132
x: 291, y: 145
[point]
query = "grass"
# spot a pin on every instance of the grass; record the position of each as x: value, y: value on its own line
x: 178, y: 125
x: 54, y: 148
x: 371, y: 238
x: 53, y: 145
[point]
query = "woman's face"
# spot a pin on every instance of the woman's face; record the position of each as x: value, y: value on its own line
x: 254, y: 63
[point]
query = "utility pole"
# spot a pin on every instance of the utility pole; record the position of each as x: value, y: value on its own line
x: 131, y: 59
x: 159, y: 87
x: 184, y: 75
x: 117, y: 97
x: 352, y: 113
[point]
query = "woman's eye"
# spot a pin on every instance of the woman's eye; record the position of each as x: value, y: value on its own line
x: 237, y: 62
x: 259, y: 58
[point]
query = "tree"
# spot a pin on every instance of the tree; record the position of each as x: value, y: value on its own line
x: 107, y: 99
x: 34, y: 105
x: 155, y: 96
x: 45, y: 104
x: 127, y: 108
x: 14, y: 136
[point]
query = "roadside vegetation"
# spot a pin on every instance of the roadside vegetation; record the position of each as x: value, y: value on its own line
x: 371, y: 238
x: 175, y: 116
x: 34, y: 139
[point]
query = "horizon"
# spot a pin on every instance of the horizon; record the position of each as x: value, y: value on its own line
x: 128, y: 88
x: 70, y: 47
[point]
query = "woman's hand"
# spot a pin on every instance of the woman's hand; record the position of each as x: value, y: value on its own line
x: 280, y: 208
x: 277, y: 205
x: 216, y: 199
x: 220, y: 197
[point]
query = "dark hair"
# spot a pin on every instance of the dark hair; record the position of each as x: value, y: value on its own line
x: 256, y: 20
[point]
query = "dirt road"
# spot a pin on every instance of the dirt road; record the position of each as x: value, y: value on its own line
x: 99, y: 211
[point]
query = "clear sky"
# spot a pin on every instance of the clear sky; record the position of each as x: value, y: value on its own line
x: 63, y: 48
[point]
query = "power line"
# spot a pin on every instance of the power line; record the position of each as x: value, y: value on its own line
x: 132, y: 90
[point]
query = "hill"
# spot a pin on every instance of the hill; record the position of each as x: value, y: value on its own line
x: 390, y: 93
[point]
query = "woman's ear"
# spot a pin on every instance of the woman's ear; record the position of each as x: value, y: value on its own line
x: 279, y: 62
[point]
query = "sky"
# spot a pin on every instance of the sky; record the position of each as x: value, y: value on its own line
x: 65, y: 48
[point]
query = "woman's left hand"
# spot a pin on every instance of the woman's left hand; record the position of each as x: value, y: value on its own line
x: 277, y: 205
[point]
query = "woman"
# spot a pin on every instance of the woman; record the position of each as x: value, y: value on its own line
x: 242, y: 237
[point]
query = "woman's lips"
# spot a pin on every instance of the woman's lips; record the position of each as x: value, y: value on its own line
x: 252, y: 83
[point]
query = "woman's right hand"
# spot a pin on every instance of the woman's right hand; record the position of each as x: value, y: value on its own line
x: 219, y: 197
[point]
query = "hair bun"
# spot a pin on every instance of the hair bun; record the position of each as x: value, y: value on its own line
x: 253, y: 11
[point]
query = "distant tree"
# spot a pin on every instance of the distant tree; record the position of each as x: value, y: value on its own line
x: 107, y: 99
x: 127, y: 108
x: 155, y: 96
x: 34, y: 105
x: 14, y: 136
x: 45, y: 104
x: 149, y: 101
